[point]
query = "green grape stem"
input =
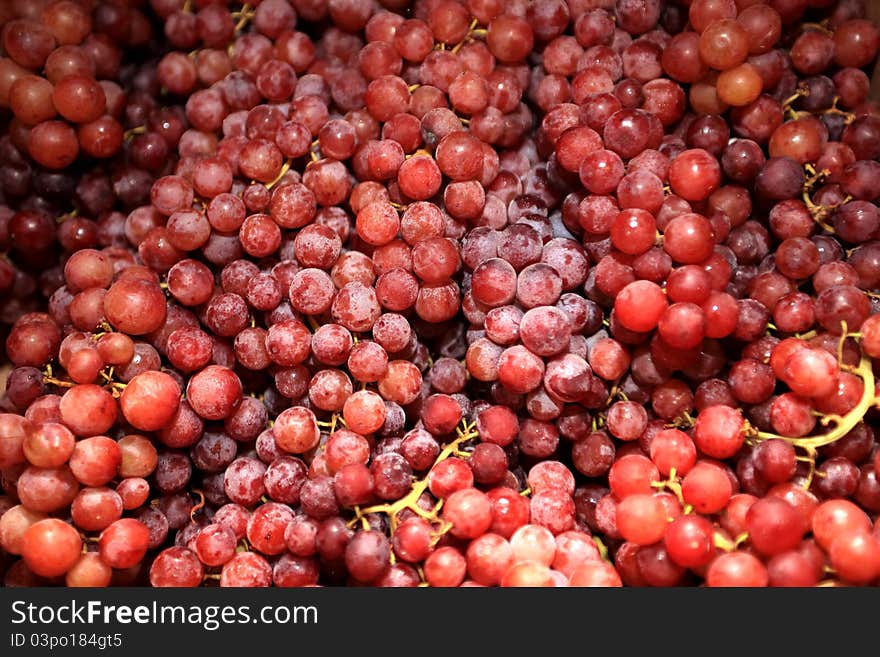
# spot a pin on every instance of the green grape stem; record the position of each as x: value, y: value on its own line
x: 465, y: 433
x: 843, y: 424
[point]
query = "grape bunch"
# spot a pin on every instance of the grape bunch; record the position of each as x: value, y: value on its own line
x: 439, y: 293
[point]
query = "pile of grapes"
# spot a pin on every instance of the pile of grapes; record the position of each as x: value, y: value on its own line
x: 439, y: 293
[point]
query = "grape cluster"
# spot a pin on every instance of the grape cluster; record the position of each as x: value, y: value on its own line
x: 439, y: 292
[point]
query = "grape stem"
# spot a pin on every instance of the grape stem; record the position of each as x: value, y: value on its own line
x: 849, y: 117
x: 284, y: 169
x: 810, y: 458
x: 724, y: 543
x: 117, y: 388
x: 465, y: 433
x: 843, y: 424
x: 815, y: 176
x: 821, y: 212
x: 199, y: 505
x: 818, y: 27
x: 131, y: 134
x: 613, y: 393
x: 802, y: 91
x: 107, y: 374
x: 48, y: 377
x: 335, y: 419
x: 422, y: 581
x: 67, y: 215
x: 473, y: 32
x: 58, y: 382
x: 683, y: 421
x: 244, y: 16
x: 673, y: 484
x: 844, y: 334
